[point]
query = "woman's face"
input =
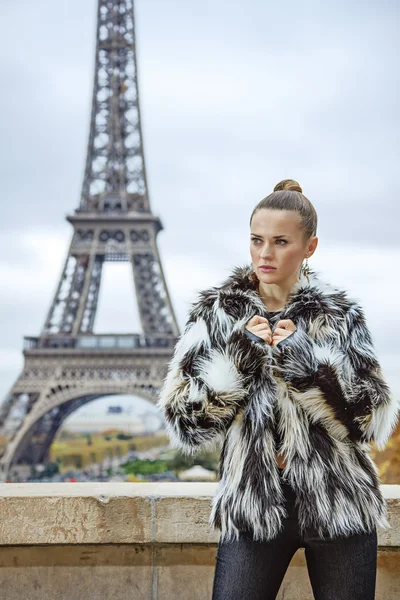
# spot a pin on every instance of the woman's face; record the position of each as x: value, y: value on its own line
x: 276, y: 239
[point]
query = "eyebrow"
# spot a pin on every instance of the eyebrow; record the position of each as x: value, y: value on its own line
x: 274, y: 237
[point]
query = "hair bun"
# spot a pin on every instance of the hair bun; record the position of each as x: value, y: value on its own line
x: 288, y: 184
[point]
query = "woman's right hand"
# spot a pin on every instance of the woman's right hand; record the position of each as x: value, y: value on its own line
x: 260, y: 326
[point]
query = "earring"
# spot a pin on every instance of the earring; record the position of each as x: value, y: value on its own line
x: 306, y: 270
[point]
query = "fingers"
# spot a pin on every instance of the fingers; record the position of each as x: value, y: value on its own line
x: 284, y: 329
x: 257, y: 319
x: 260, y: 327
x: 280, y: 334
x: 286, y: 324
x: 264, y: 335
x: 258, y: 323
x: 280, y: 331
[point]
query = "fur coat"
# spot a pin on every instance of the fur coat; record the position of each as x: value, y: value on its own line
x: 322, y: 388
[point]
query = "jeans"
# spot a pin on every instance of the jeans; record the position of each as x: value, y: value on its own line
x: 341, y: 568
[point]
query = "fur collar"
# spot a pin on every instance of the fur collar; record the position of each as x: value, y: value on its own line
x: 310, y: 299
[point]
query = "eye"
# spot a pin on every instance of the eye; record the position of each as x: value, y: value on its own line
x: 255, y: 241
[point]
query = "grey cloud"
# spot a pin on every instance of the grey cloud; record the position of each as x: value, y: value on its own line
x: 225, y: 144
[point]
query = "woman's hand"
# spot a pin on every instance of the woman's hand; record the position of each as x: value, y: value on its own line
x: 260, y: 326
x: 283, y: 329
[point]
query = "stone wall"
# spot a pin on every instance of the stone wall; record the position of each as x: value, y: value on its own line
x: 147, y: 541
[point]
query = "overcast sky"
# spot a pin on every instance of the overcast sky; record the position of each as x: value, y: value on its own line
x: 234, y: 97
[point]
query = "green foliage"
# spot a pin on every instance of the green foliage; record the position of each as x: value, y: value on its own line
x: 181, y: 462
x: 145, y: 467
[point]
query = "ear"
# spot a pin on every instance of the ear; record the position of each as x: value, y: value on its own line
x: 311, y: 246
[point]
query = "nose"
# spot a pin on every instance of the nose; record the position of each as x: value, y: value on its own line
x: 265, y: 252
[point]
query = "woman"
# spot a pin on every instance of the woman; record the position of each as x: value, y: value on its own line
x: 279, y: 366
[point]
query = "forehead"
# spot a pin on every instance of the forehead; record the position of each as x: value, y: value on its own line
x: 276, y: 222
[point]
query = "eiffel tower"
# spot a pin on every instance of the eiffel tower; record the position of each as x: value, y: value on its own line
x: 69, y: 365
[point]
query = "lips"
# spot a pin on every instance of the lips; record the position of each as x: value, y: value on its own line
x: 267, y: 268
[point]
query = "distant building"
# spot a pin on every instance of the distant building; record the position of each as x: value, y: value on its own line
x: 197, y: 473
x: 115, y: 419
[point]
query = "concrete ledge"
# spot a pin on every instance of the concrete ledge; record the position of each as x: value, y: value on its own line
x: 152, y: 541
x: 105, y: 513
x: 124, y: 513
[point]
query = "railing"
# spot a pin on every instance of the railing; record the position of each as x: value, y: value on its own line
x: 99, y: 342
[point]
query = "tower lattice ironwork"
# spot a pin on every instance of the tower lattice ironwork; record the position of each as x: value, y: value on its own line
x: 69, y: 365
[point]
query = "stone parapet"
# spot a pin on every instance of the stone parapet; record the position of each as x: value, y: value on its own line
x: 150, y: 537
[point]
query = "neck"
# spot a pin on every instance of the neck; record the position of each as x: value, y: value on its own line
x: 274, y: 296
x: 270, y: 303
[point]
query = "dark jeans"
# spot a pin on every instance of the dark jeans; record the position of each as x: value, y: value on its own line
x: 341, y: 568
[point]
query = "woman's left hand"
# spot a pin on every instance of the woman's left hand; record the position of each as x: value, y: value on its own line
x: 283, y: 329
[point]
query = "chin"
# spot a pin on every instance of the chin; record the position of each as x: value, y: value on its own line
x: 270, y: 277
x: 267, y: 275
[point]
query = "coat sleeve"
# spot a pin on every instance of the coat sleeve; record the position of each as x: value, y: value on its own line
x: 346, y: 370
x: 208, y: 378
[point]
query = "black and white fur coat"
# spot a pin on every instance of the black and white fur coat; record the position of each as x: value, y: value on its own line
x: 322, y: 387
